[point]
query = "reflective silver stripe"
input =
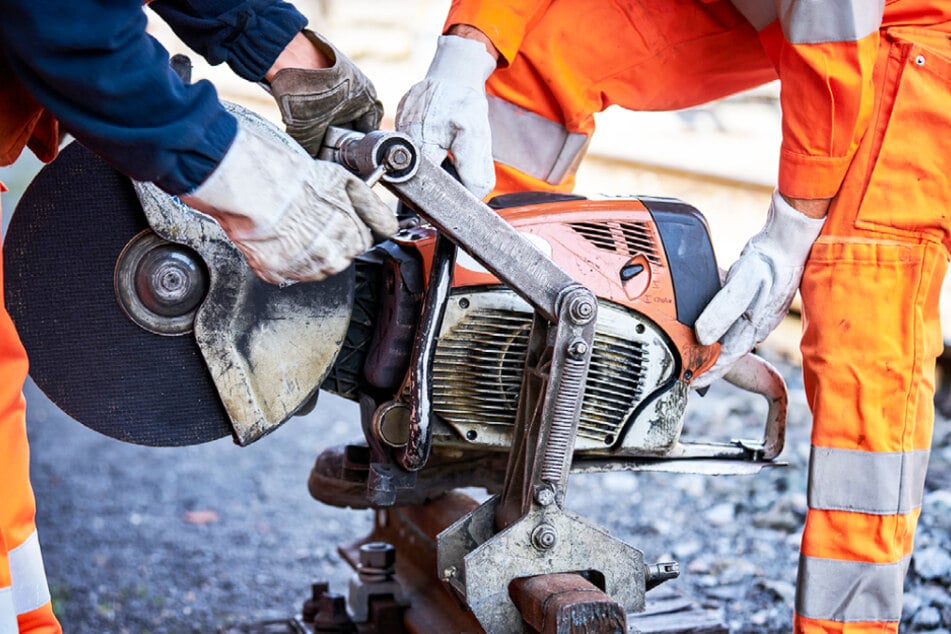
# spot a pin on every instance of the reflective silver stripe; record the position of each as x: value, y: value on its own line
x: 8, y: 616
x: 758, y: 12
x: 817, y: 21
x: 849, y: 591
x: 29, y: 578
x: 866, y: 481
x: 532, y: 144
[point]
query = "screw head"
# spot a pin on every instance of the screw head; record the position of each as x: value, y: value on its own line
x: 544, y: 496
x: 544, y: 537
x: 577, y: 348
x: 378, y: 556
x: 581, y: 310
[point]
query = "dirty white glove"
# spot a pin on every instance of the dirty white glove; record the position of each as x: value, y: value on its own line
x: 311, y: 100
x: 759, y: 287
x: 293, y: 218
x: 448, y: 111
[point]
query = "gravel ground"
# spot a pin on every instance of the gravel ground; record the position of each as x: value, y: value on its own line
x: 143, y: 540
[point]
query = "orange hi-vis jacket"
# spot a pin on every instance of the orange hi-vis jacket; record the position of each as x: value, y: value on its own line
x: 25, y: 604
x: 866, y: 109
x: 826, y: 50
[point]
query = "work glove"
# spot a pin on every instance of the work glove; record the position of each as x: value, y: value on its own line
x: 293, y: 218
x: 759, y: 287
x: 311, y: 100
x: 448, y: 111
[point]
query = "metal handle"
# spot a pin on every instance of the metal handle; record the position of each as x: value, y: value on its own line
x: 754, y: 374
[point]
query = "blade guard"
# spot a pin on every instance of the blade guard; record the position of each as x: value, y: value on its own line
x: 267, y: 348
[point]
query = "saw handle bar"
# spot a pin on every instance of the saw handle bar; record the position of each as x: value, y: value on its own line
x: 393, y: 159
x: 388, y: 156
x: 754, y: 374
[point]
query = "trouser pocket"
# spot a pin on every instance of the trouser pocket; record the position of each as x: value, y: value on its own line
x: 909, y: 180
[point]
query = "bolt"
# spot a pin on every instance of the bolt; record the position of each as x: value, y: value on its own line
x: 398, y: 157
x: 171, y: 280
x: 544, y: 496
x: 577, y: 348
x: 377, y: 561
x: 920, y: 60
x: 544, y: 537
x: 688, y: 375
x: 449, y: 573
x: 658, y: 573
x: 581, y: 309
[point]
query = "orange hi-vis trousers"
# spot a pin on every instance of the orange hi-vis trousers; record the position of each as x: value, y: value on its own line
x: 25, y: 604
x: 872, y: 283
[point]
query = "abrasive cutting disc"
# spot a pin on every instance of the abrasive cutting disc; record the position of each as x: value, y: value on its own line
x: 107, y: 372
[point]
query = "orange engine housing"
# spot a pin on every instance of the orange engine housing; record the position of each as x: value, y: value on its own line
x: 650, y: 263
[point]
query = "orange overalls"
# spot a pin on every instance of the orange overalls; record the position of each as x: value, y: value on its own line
x: 866, y: 100
x: 24, y: 596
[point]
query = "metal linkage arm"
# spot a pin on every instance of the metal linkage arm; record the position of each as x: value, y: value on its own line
x: 454, y: 211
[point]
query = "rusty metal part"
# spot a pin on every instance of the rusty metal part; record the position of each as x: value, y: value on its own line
x: 553, y: 384
x: 478, y: 562
x: 413, y: 530
x: 332, y: 616
x: 418, y: 385
x: 310, y: 607
x: 572, y: 599
x: 374, y: 579
x: 340, y: 476
x: 567, y: 604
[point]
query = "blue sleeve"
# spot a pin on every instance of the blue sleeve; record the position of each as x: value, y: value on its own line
x: 92, y: 65
x: 247, y: 34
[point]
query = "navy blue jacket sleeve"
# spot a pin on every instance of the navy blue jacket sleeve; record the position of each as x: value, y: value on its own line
x: 246, y: 34
x: 92, y: 65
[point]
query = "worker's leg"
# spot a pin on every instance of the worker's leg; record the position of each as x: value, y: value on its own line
x: 871, y: 336
x: 581, y: 57
x: 24, y: 596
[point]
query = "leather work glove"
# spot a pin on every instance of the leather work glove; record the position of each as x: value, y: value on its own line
x: 293, y: 218
x: 448, y: 111
x: 759, y: 287
x: 311, y: 100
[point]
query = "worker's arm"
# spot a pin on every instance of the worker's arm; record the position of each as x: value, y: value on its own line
x: 109, y: 84
x: 248, y: 36
x: 825, y: 54
x: 503, y: 24
x: 314, y: 84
